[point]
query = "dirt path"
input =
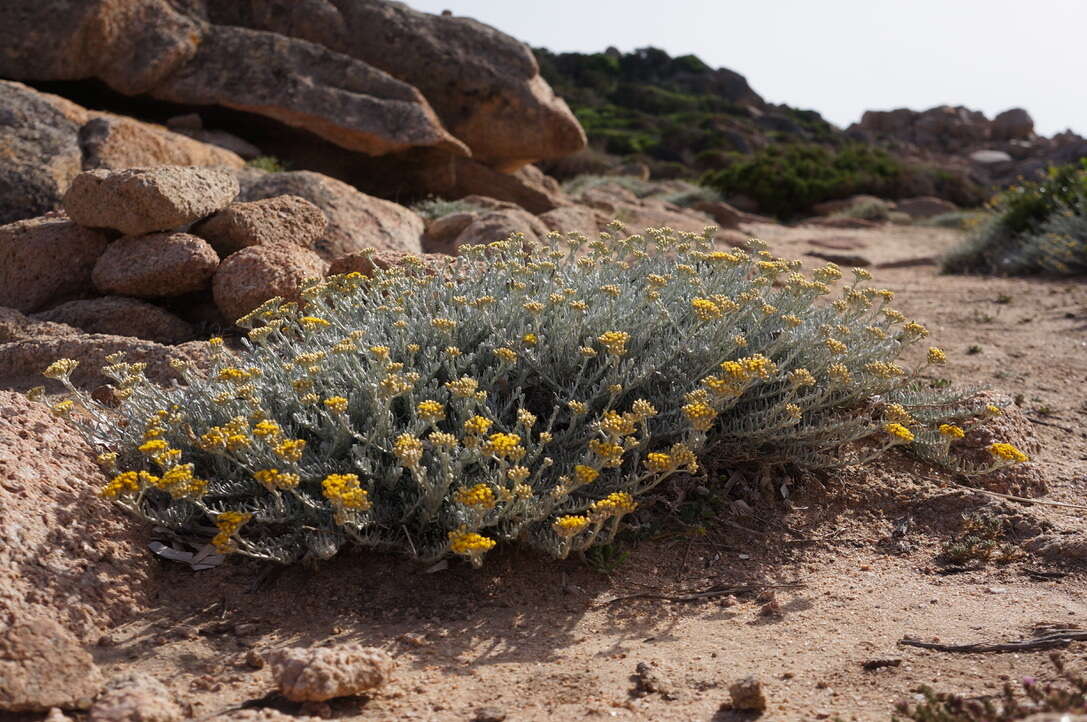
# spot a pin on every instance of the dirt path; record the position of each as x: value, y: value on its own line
x: 535, y: 639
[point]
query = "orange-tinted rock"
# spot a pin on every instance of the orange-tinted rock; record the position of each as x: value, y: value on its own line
x: 282, y: 219
x: 136, y: 201
x: 46, y: 260
x: 159, y: 264
x: 251, y: 276
x: 120, y: 316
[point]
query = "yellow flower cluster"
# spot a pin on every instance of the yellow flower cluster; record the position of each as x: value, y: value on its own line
x: 336, y: 404
x: 290, y: 449
x: 504, y: 446
x: 409, y: 450
x: 345, y: 493
x: 1007, y: 452
x: 898, y: 431
x: 228, y: 522
x: 569, y: 525
x: 126, y: 482
x: 479, y: 496
x: 585, y: 474
x: 60, y: 369
x: 700, y: 414
x: 506, y: 355
x: 951, y: 431
x: 936, y: 356
x: 615, y: 342
x: 705, y: 309
x: 273, y: 479
x: 470, y: 544
x: 615, y: 504
x: 430, y: 410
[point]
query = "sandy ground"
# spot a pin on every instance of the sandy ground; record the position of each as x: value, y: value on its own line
x: 819, y: 588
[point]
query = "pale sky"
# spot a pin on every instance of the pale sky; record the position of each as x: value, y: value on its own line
x: 840, y: 57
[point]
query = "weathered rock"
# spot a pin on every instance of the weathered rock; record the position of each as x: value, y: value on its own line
x: 115, y: 142
x: 22, y: 361
x: 925, y: 207
x: 150, y: 47
x: 43, y: 665
x: 1014, y: 124
x: 483, y: 84
x: 155, y: 265
x: 46, y: 260
x: 724, y: 215
x: 120, y: 316
x: 251, y: 276
x: 528, y: 187
x: 747, y: 694
x: 70, y: 566
x: 144, y: 200
x: 227, y: 141
x: 316, y: 675
x: 441, y: 233
x: 364, y: 263
x: 839, y: 222
x: 56, y: 715
x: 302, y: 84
x: 282, y: 219
x: 497, y: 226
x: 570, y: 219
x: 136, y: 697
x: 39, y: 149
x: 355, y: 220
x: 14, y: 326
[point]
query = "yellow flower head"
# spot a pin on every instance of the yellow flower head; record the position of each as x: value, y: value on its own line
x: 898, y: 431
x: 430, y: 410
x: 409, y: 450
x: 478, y: 496
x: 569, y: 525
x: 585, y: 474
x: 504, y: 446
x: 470, y: 544
x: 507, y: 355
x: 61, y: 368
x: 700, y: 414
x: 936, y: 356
x: 336, y: 404
x: 1007, y: 452
x: 477, y: 425
x: 658, y: 462
x: 705, y: 309
x: 951, y: 431
x: 615, y: 342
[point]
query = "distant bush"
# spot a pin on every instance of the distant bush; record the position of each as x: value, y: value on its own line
x: 956, y: 220
x: 433, y: 208
x: 519, y: 395
x: 787, y: 179
x: 868, y: 209
x: 268, y: 163
x: 1036, y: 227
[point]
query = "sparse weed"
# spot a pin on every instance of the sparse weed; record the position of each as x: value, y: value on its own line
x: 434, y: 208
x: 268, y: 163
x: 527, y: 395
x: 1066, y: 695
x: 980, y: 539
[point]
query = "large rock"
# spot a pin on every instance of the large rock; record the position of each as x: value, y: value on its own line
x: 116, y: 142
x: 497, y: 226
x: 39, y: 153
x: 571, y: 219
x: 43, y: 665
x: 70, y: 566
x: 282, y: 219
x: 46, y: 260
x: 355, y: 220
x: 23, y: 360
x: 136, y: 697
x: 144, y: 200
x: 15, y: 326
x: 484, y: 85
x: 925, y: 206
x: 1014, y: 124
x: 456, y: 178
x: 152, y: 47
x: 155, y: 265
x: 120, y: 316
x: 323, y: 673
x: 302, y: 84
x: 251, y: 276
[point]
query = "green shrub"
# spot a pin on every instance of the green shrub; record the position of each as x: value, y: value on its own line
x: 1036, y: 226
x: 582, y: 183
x: 869, y: 209
x: 433, y: 208
x: 788, y: 179
x: 268, y: 163
x: 515, y: 395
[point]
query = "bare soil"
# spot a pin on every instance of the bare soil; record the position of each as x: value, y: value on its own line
x: 821, y: 585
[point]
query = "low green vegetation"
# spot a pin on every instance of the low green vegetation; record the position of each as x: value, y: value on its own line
x: 1035, y: 227
x: 787, y: 179
x: 433, y: 208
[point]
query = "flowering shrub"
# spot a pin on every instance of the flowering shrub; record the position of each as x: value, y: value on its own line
x: 528, y: 395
